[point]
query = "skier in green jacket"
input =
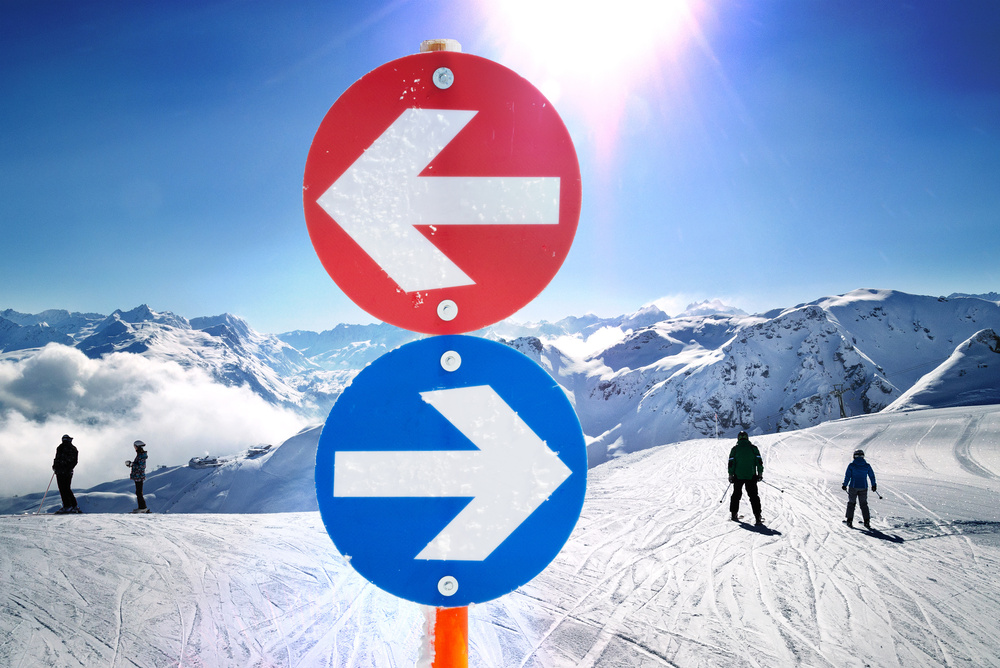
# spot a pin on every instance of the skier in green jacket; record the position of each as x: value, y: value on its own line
x: 746, y: 469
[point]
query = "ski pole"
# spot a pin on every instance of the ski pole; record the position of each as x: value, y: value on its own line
x: 770, y: 485
x: 726, y: 492
x: 46, y: 493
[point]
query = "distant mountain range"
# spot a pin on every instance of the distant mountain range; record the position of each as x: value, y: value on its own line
x: 636, y: 380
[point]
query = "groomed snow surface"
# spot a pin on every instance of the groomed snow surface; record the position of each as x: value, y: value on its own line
x: 654, y: 574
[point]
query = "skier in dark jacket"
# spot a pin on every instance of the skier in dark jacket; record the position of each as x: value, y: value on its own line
x: 856, y: 485
x: 138, y: 474
x: 746, y: 469
x: 62, y: 466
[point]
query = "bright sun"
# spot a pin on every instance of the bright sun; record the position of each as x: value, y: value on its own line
x: 591, y: 55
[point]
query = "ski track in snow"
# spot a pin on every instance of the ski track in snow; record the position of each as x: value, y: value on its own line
x: 654, y: 574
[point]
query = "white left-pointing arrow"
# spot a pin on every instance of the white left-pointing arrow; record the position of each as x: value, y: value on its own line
x: 381, y: 197
x: 509, y: 477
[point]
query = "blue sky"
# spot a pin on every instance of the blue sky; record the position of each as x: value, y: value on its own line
x: 767, y: 153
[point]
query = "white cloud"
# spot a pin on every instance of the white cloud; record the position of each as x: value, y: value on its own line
x: 673, y: 304
x: 106, y: 404
x: 580, y: 347
x: 676, y: 304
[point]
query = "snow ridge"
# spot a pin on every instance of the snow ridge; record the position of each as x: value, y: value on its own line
x: 637, y: 380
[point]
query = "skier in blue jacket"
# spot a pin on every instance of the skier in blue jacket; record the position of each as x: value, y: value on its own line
x: 856, y: 485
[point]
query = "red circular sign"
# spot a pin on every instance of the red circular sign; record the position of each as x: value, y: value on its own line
x: 442, y: 192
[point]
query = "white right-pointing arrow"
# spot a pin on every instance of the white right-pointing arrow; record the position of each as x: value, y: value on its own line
x: 509, y: 477
x: 381, y: 196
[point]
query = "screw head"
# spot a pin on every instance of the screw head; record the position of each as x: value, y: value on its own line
x: 448, y: 586
x: 451, y: 360
x: 447, y: 310
x: 443, y: 78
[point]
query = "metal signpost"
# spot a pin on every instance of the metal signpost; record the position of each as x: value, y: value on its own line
x: 442, y: 193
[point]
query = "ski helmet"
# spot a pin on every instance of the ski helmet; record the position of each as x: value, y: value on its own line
x: 859, y: 453
x: 139, y: 444
x: 67, y: 438
x: 742, y: 434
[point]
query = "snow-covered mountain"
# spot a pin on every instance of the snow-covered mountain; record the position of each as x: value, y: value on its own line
x: 687, y: 377
x: 17, y: 333
x: 224, y: 346
x: 637, y: 380
x: 54, y: 325
x: 969, y: 377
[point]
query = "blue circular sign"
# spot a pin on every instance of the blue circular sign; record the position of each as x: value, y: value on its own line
x: 451, y: 471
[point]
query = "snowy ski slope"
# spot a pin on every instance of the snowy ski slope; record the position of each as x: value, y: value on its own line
x: 654, y: 574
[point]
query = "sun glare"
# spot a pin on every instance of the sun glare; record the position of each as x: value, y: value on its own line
x: 590, y: 39
x: 588, y: 54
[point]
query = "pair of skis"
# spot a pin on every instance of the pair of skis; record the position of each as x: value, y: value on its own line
x: 77, y: 511
x: 862, y: 528
x: 739, y: 518
x: 62, y: 511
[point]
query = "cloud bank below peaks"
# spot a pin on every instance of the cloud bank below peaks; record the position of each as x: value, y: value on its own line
x: 107, y: 403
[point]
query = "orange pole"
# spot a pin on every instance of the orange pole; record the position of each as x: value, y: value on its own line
x: 451, y: 638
